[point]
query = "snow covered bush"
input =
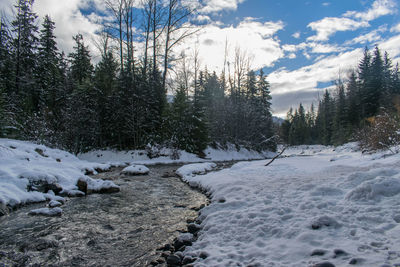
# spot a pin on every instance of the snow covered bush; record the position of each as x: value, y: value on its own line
x: 383, y: 132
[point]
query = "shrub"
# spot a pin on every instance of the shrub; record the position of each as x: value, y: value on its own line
x: 381, y: 132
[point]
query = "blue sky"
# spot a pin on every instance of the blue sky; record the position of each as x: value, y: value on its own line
x: 302, y: 45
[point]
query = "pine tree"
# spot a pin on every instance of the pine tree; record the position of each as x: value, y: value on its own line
x: 49, y: 78
x: 25, y: 47
x: 105, y: 80
x: 6, y: 76
x: 339, y: 135
x: 81, y: 67
x: 364, y: 76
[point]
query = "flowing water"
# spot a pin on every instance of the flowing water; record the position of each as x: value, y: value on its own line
x: 120, y: 229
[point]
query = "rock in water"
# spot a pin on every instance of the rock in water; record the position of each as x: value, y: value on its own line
x: 54, y: 203
x: 174, y: 260
x: 46, y: 212
x: 135, y: 170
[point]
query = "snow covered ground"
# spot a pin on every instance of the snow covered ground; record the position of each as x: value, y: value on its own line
x: 31, y: 173
x: 316, y: 205
x: 140, y: 156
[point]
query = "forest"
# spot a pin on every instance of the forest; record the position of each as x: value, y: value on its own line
x: 364, y: 107
x: 122, y: 101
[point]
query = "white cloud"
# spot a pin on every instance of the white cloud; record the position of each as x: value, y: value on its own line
x: 370, y: 37
x: 395, y: 28
x: 255, y: 38
x: 330, y: 25
x: 379, y: 8
x: 68, y: 19
x: 296, y: 35
x: 203, y: 19
x: 351, y: 20
x: 213, y: 6
x: 326, y: 4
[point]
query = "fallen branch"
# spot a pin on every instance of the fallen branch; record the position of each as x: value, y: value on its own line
x: 277, y: 156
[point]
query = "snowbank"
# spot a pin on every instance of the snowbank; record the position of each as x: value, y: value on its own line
x: 32, y: 173
x: 135, y: 170
x: 334, y: 205
x: 140, y: 156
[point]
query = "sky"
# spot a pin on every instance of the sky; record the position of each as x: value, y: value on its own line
x: 303, y: 46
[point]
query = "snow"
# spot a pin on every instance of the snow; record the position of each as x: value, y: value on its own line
x: 317, y: 204
x: 46, y: 212
x: 135, y: 170
x: 27, y: 170
x: 119, y: 158
x: 195, y: 168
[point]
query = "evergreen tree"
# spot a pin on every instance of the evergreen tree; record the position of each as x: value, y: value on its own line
x: 49, y: 78
x: 81, y: 67
x: 324, y: 121
x: 25, y: 47
x: 105, y: 80
x: 339, y: 135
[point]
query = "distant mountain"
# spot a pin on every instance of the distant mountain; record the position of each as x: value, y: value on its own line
x: 277, y: 120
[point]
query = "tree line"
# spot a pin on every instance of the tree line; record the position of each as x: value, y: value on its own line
x: 370, y: 92
x: 121, y: 102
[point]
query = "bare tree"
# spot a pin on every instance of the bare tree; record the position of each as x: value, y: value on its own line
x: 117, y: 8
x: 176, y: 29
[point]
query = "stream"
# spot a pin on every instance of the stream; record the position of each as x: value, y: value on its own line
x: 120, y: 229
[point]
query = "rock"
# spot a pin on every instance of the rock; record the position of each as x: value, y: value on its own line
x: 324, y: 264
x: 109, y: 190
x: 161, y: 261
x: 353, y: 261
x: 322, y: 221
x: 44, y: 186
x: 154, y: 263
x: 165, y: 254
x: 54, y: 203
x: 339, y: 252
x: 3, y: 209
x: 178, y: 244
x: 45, y: 244
x: 174, y: 260
x: 193, y: 228
x: 82, y: 185
x: 46, y: 212
x: 203, y: 255
x: 166, y: 247
x: 108, y: 227
x: 41, y: 152
x: 135, y: 170
x: 187, y: 260
x: 91, y: 243
x: 169, y: 174
x: 318, y: 252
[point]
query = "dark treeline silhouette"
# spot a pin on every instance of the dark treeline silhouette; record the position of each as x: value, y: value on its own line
x: 371, y: 92
x: 64, y: 101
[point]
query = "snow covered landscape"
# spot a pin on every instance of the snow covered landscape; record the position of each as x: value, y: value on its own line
x: 317, y: 205
x: 313, y: 205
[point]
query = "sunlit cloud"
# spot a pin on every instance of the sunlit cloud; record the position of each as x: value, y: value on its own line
x: 213, y: 6
x: 260, y: 44
x: 330, y: 25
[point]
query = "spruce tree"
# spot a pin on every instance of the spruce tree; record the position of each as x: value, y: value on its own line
x: 25, y: 48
